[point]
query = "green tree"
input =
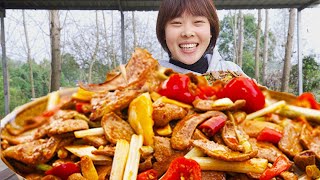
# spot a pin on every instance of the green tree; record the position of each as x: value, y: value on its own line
x: 19, y: 83
x: 226, y: 42
x: 42, y: 77
x: 311, y: 76
x: 99, y: 72
x: 248, y: 63
x: 71, y: 72
x: 226, y: 39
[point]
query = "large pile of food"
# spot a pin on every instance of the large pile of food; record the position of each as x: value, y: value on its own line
x: 149, y: 122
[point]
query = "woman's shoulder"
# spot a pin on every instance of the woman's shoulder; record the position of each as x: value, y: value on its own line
x: 164, y: 63
x: 216, y: 63
x: 231, y: 65
x: 222, y: 65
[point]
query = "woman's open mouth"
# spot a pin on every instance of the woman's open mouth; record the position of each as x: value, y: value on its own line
x: 188, y: 46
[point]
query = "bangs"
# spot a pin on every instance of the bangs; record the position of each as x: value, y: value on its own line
x: 193, y: 7
x: 196, y: 8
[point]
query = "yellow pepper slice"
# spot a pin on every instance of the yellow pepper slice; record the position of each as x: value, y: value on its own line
x: 82, y: 95
x: 171, y: 101
x: 140, y: 117
x: 164, y: 131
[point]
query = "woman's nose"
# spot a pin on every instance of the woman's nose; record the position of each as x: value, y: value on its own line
x: 187, y: 32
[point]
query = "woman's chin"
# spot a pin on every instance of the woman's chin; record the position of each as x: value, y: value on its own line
x: 189, y: 61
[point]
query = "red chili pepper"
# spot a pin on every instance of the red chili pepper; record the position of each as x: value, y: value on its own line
x: 51, y: 112
x: 150, y: 174
x: 269, y: 135
x: 207, y: 91
x: 183, y: 168
x: 79, y: 107
x: 178, y: 87
x: 280, y: 165
x: 83, y: 107
x: 211, y: 126
x: 244, y: 88
x: 63, y: 171
x: 308, y: 100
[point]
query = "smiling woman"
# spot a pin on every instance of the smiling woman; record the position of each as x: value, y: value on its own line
x: 188, y: 37
x: 188, y: 30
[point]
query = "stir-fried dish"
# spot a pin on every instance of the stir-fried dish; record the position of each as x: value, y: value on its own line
x: 147, y: 122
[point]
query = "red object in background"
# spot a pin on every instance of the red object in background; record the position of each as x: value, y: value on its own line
x: 244, y: 88
x: 207, y: 91
x: 49, y: 113
x: 179, y: 87
x: 307, y: 100
x: 79, y: 107
x: 183, y: 168
x: 83, y: 107
x: 63, y: 171
x: 280, y: 165
x: 150, y: 174
x: 211, y: 126
x: 269, y: 135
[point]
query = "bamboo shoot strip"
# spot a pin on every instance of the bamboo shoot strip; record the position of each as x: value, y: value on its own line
x: 131, y: 170
x: 254, y: 165
x: 89, y: 132
x: 119, y: 160
x: 269, y: 109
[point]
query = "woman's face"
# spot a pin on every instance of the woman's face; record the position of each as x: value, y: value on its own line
x: 187, y: 37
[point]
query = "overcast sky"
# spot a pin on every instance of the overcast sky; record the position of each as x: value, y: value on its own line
x: 311, y: 28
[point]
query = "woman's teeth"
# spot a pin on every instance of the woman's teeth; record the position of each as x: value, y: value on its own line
x: 188, y: 45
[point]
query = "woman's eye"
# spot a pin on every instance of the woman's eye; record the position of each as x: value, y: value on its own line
x: 199, y: 22
x: 175, y: 22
